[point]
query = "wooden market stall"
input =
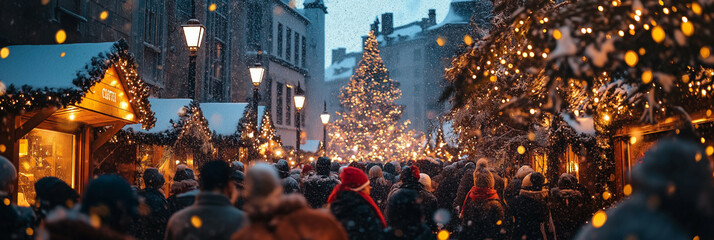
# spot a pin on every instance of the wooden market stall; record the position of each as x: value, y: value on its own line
x: 61, y: 104
x: 181, y: 136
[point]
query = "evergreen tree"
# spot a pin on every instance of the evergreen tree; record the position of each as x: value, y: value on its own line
x: 270, y: 143
x: 247, y: 126
x: 369, y: 127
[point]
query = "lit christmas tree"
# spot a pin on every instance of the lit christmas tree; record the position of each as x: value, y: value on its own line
x: 247, y: 126
x: 270, y: 143
x: 369, y: 127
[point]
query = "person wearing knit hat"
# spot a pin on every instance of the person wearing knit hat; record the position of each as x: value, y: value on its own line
x: 306, y: 171
x: 351, y: 204
x: 154, y: 198
x: 530, y: 209
x: 409, y: 179
x: 52, y: 192
x: 317, y: 187
x: 514, y: 186
x: 482, y: 209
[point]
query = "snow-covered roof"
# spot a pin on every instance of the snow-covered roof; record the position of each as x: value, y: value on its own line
x: 223, y: 118
x: 460, y: 12
x: 342, y: 69
x: 51, y: 66
x: 165, y: 109
x: 403, y: 33
x: 583, y: 125
x: 310, y: 146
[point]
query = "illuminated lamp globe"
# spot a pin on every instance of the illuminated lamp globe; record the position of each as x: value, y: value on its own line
x: 299, y: 98
x: 193, y: 30
x: 257, y: 72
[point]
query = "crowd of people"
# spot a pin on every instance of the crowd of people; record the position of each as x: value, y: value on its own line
x: 426, y: 199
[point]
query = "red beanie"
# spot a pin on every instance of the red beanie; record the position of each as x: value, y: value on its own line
x: 354, y: 178
x: 307, y: 168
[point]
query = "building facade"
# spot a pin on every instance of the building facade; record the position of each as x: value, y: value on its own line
x: 287, y: 40
x: 416, y: 55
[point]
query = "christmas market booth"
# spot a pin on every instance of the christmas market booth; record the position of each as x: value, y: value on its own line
x: 181, y: 136
x: 61, y: 104
x: 234, y: 136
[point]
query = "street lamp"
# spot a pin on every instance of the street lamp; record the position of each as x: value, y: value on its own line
x: 299, y: 99
x: 325, y: 117
x: 193, y: 30
x: 257, y: 72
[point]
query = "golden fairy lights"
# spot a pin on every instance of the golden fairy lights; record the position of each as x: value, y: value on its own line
x: 60, y: 36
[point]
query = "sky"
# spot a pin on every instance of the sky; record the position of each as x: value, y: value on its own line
x: 347, y: 20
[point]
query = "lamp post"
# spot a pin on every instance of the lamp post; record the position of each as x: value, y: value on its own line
x: 193, y: 30
x: 257, y: 72
x: 325, y: 117
x: 299, y: 99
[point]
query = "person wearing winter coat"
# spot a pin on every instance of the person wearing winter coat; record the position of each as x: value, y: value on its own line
x: 379, y: 187
x: 568, y: 207
x: 290, y: 185
x: 152, y: 224
x: 514, y: 187
x: 273, y: 215
x: 405, y: 218
x: 14, y: 220
x: 183, y: 190
x: 482, y: 215
x: 466, y: 181
x: 409, y: 179
x: 425, y: 181
x: 390, y: 173
x: 671, y: 200
x: 212, y: 216
x: 52, y: 192
x: 530, y: 209
x: 446, y: 191
x: 318, y: 187
x: 351, y: 204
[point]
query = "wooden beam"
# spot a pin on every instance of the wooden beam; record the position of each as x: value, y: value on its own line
x: 33, y: 122
x: 102, y: 139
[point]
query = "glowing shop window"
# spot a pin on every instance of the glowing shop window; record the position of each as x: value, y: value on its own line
x: 44, y: 153
x: 540, y: 163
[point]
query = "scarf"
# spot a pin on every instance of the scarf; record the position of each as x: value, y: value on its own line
x: 477, y: 193
x: 340, y: 188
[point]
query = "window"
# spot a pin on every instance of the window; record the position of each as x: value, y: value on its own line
x: 152, y: 21
x: 288, y: 104
x: 280, y: 40
x: 279, y: 104
x: 44, y: 153
x: 254, y: 24
x: 186, y: 7
x: 288, y: 43
x: 304, y: 52
x: 297, y: 49
x: 215, y: 88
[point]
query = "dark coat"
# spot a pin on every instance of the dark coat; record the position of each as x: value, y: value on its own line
x: 379, y: 192
x: 569, y: 211
x: 318, y: 188
x: 446, y: 192
x: 414, y: 232
x: 14, y: 221
x: 483, y: 219
x: 512, y: 190
x: 292, y: 218
x: 427, y: 201
x: 180, y: 201
x: 290, y: 185
x: 529, y: 210
x: 357, y: 216
x: 153, y: 224
x: 465, y: 184
x: 211, y: 217
x: 70, y: 229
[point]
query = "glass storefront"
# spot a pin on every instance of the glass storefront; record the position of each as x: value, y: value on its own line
x: 44, y: 153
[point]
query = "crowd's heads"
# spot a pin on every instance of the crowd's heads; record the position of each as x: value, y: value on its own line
x: 375, y: 172
x: 567, y: 181
x: 306, y: 169
x: 674, y: 169
x: 359, y: 165
x: 425, y: 180
x: 153, y: 179
x: 409, y: 174
x: 53, y: 192
x: 483, y: 178
x: 533, y: 181
x: 481, y: 164
x: 396, y: 165
x: 112, y: 200
x: 8, y: 174
x: 183, y: 173
x: 238, y: 166
x: 323, y: 166
x: 215, y: 175
x: 524, y: 171
x: 390, y: 168
x: 354, y: 178
x: 334, y: 167
x: 237, y: 177
x: 283, y: 168
x: 261, y: 182
x: 404, y: 210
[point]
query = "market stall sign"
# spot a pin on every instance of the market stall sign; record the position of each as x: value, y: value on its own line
x: 109, y: 97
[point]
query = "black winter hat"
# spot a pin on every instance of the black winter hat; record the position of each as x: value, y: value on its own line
x: 322, y: 166
x: 283, y: 168
x: 533, y: 181
x: 153, y: 179
x: 53, y: 192
x: 113, y: 200
x: 184, y: 174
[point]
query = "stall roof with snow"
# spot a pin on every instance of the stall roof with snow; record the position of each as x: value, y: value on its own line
x: 223, y: 118
x: 582, y: 125
x: 166, y: 111
x: 41, y: 76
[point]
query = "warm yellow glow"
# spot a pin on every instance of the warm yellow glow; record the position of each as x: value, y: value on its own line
x: 647, y: 77
x: 599, y: 219
x: 627, y: 190
x: 468, y: 40
x: 103, y: 15
x: 703, y: 140
x: 196, y: 221
x: 606, y: 117
x: 443, y: 235
x: 696, y: 8
x: 521, y: 150
x: 72, y: 117
x: 705, y: 52
x: 493, y: 78
x: 60, y: 36
x: 557, y: 34
x: 687, y: 28
x: 441, y: 41
x: 631, y: 58
x: 4, y: 52
x: 129, y: 116
x: 63, y: 54
x: 633, y: 140
x: 658, y: 34
x: 606, y: 195
x: 710, y: 150
x: 124, y: 105
x: 212, y: 7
